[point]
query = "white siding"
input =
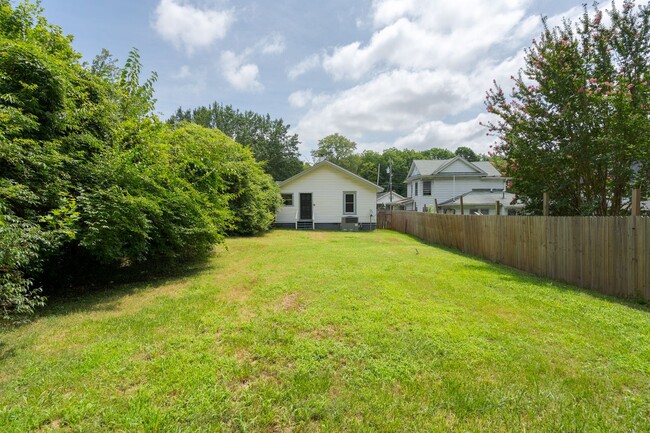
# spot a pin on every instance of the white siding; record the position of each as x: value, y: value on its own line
x: 327, y: 185
x: 445, y: 188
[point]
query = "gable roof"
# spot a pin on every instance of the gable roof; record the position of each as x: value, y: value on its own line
x: 438, y: 167
x: 326, y: 163
x: 472, y: 169
x: 382, y: 195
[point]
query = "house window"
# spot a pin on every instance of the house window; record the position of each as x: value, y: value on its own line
x: 426, y: 187
x: 350, y: 203
x: 416, y: 188
x: 287, y: 199
x: 479, y: 211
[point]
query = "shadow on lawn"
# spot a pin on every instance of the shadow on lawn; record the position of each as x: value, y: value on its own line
x: 6, y: 352
x: 507, y: 273
x: 103, y: 291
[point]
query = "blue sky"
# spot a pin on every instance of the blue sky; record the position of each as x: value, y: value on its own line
x: 403, y: 73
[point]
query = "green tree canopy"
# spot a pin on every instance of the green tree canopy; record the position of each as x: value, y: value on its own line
x: 89, y: 176
x: 268, y: 139
x: 577, y: 122
x: 467, y: 153
x: 335, y: 148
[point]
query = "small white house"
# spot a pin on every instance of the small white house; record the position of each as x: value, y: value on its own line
x: 326, y: 196
x: 444, y: 181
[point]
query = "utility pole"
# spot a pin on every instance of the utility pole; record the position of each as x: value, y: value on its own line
x: 390, y: 180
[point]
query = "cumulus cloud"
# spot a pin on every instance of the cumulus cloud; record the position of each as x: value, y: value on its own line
x: 240, y: 75
x: 301, y: 98
x: 418, y: 34
x: 190, y: 28
x: 306, y: 65
x: 450, y: 136
x: 419, y: 79
x: 243, y: 74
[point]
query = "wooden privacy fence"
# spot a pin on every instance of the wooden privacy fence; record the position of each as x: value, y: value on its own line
x: 608, y: 254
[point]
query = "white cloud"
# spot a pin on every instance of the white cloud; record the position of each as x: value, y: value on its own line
x: 243, y: 74
x: 419, y: 34
x: 391, y: 102
x: 183, y: 72
x: 273, y: 44
x: 421, y: 77
x: 301, y: 98
x: 449, y: 135
x: 306, y: 65
x: 188, y: 27
x: 240, y: 75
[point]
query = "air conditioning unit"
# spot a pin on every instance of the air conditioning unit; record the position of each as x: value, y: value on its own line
x: 350, y: 224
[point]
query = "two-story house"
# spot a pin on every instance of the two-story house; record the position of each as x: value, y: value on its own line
x: 444, y: 181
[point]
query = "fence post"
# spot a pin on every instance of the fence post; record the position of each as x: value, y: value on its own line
x: 462, y: 206
x: 498, y: 207
x: 636, y: 202
x: 435, y: 203
x: 545, y: 204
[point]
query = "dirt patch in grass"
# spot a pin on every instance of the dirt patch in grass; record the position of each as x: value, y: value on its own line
x: 291, y: 302
x: 238, y: 294
x: 52, y: 425
x: 328, y: 332
x: 319, y: 236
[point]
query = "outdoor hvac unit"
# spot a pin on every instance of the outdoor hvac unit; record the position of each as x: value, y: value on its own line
x: 350, y: 224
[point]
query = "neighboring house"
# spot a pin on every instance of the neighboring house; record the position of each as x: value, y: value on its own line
x: 446, y: 180
x: 326, y: 196
x: 483, y: 202
x: 388, y: 199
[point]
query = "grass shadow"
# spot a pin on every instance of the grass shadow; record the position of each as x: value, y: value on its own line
x: 6, y: 352
x: 103, y: 292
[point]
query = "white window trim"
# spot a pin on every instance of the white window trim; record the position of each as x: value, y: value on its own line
x: 292, y: 199
x: 354, y: 194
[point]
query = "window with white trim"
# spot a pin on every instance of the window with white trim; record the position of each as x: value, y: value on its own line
x: 350, y: 203
x: 287, y: 199
x: 426, y: 187
x: 416, y: 188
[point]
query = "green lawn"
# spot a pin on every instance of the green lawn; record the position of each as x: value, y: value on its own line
x: 319, y: 331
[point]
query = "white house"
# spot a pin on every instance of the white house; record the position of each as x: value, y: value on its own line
x: 446, y: 180
x: 326, y: 196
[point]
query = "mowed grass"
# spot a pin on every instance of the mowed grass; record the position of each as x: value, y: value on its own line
x: 329, y: 331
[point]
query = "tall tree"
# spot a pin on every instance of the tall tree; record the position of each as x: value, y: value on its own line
x: 577, y: 122
x: 467, y: 153
x: 337, y: 149
x: 268, y: 139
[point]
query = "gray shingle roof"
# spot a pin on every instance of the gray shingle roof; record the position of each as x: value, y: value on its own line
x: 427, y: 167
